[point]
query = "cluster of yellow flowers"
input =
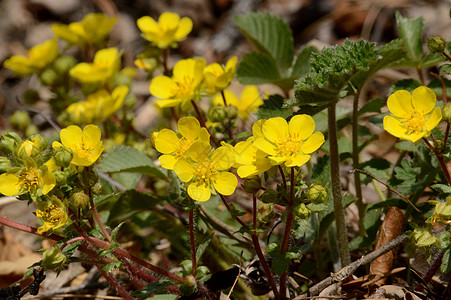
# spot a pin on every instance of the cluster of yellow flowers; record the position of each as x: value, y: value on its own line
x: 206, y: 171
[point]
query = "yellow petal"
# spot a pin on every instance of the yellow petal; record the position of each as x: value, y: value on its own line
x: 223, y: 158
x: 9, y: 184
x: 147, y: 24
x: 164, y: 103
x: 71, y: 135
x: 225, y: 183
x: 275, y: 129
x: 168, y: 20
x: 434, y: 119
x: 91, y: 135
x: 277, y: 160
x: 199, y: 191
x: 189, y: 127
x: 400, y: 103
x: 265, y: 146
x: 393, y: 126
x: 166, y: 141
x: 257, y: 128
x: 301, y: 127
x: 184, y: 28
x: 184, y: 170
x: 199, y: 151
x: 246, y: 171
x: 313, y: 143
x: 48, y: 182
x: 167, y: 161
x: 162, y: 87
x: 297, y: 160
x: 423, y: 99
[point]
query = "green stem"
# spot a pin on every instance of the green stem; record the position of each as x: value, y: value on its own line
x: 286, y: 236
x: 356, y: 162
x: 342, y: 238
x: 192, y: 242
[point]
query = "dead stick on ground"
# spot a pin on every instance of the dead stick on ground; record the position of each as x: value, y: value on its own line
x: 349, y: 269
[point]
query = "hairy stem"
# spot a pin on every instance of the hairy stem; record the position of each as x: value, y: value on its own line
x: 192, y: 242
x: 202, y: 122
x: 440, y: 160
x: 342, y: 238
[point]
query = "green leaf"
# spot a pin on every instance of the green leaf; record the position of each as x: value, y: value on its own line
x: 445, y: 70
x: 442, y: 188
x: 272, y: 107
x: 270, y: 35
x: 445, y: 267
x: 436, y: 87
x: 257, y: 68
x: 405, y: 84
x: 359, y: 242
x: 411, y: 32
x: 128, y: 159
x: 112, y: 266
x: 302, y: 61
x: 203, y: 246
x: 374, y: 105
x: 116, y: 230
x: 406, y: 146
x: 378, y: 167
x: 430, y: 60
x: 153, y: 288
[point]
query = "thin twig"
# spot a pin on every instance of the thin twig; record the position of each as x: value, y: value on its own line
x: 237, y: 277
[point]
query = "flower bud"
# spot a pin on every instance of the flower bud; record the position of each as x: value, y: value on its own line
x: 64, y: 63
x: 317, y: 194
x: 447, y: 113
x: 302, y: 212
x: 9, y: 143
x: 436, y: 44
x: 252, y: 184
x: 20, y: 120
x: 80, y: 199
x: 97, y: 188
x: 29, y: 148
x: 217, y: 114
x: 190, y: 280
x: 231, y: 112
x: 31, y: 130
x: 53, y: 259
x: 422, y: 237
x: 31, y: 96
x: 60, y: 177
x: 48, y: 77
x: 5, y: 164
x: 63, y: 156
x: 43, y: 143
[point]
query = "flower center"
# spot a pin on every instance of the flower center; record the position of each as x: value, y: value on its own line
x: 415, y: 123
x: 29, y: 179
x: 203, y: 171
x: 289, y: 146
x: 183, y: 145
x: 83, y: 150
x: 183, y: 87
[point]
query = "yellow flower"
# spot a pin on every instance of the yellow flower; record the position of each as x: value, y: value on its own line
x: 184, y: 85
x: 413, y: 116
x: 98, y: 106
x: 207, y: 172
x: 173, y: 148
x: 250, y: 160
x: 104, y: 66
x: 248, y: 102
x: 217, y: 77
x: 289, y: 143
x: 53, y: 214
x: 38, y: 58
x: 92, y: 29
x: 29, y: 148
x: 36, y: 181
x: 169, y: 29
x: 86, y: 145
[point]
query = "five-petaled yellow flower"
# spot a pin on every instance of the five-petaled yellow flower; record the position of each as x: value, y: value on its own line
x: 92, y: 29
x: 184, y: 85
x: 289, y: 143
x: 86, y: 145
x: 413, y: 116
x: 31, y: 179
x: 105, y: 64
x: 250, y: 160
x: 53, y: 214
x: 173, y: 148
x: 39, y: 57
x: 98, y: 106
x: 169, y: 29
x: 248, y: 102
x: 218, y: 77
x: 207, y: 172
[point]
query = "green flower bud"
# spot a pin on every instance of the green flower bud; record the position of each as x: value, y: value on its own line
x: 317, y: 194
x: 422, y: 237
x: 436, y: 44
x: 447, y: 113
x: 31, y: 96
x: 231, y: 112
x: 29, y: 148
x: 252, y: 184
x: 302, y: 212
x: 64, y: 63
x: 60, y: 177
x: 217, y: 114
x: 80, y: 199
x: 42, y: 141
x: 5, y: 164
x: 265, y: 212
x: 9, y: 143
x: 97, y: 188
x: 190, y: 280
x: 53, y: 259
x: 63, y: 156
x: 48, y: 77
x: 20, y: 120
x: 31, y: 130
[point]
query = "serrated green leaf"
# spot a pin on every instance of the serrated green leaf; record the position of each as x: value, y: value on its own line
x: 405, y: 84
x: 302, y: 61
x: 406, y: 146
x: 126, y: 179
x: 436, y: 86
x: 430, y: 60
x: 270, y: 35
x: 445, y: 70
x: 112, y: 266
x: 128, y: 159
x: 257, y: 68
x: 202, y: 247
x: 442, y: 188
x: 116, y: 230
x: 378, y: 167
x: 374, y: 105
x: 272, y: 107
x: 152, y: 288
x: 445, y: 267
x: 411, y: 32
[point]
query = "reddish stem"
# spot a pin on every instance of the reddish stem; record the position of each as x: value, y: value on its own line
x: 228, y: 208
x: 114, y: 283
x: 202, y: 122
x: 440, y: 160
x: 192, y: 242
x: 96, y: 215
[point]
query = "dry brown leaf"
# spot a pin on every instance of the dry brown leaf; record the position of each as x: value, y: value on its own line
x: 391, y: 228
